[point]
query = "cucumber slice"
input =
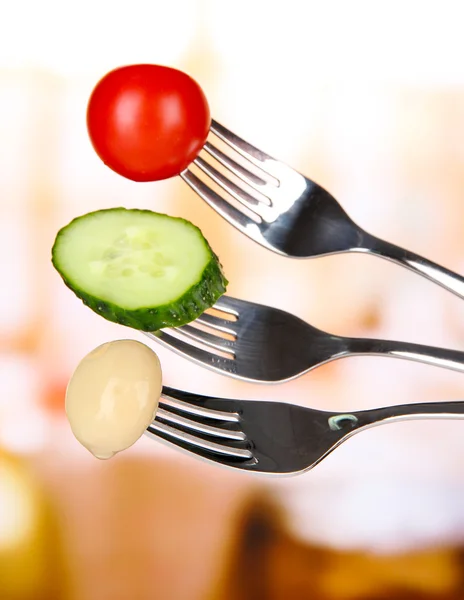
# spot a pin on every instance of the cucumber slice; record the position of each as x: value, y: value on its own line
x: 139, y: 268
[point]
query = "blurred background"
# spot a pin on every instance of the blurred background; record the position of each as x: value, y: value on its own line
x: 366, y: 98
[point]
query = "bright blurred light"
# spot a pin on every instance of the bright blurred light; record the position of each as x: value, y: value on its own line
x: 22, y: 425
x: 94, y: 36
x: 19, y: 385
x: 17, y: 513
x: 13, y: 305
x: 24, y: 435
x: 408, y: 41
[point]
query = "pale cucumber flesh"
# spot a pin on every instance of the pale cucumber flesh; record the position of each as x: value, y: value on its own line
x: 139, y: 268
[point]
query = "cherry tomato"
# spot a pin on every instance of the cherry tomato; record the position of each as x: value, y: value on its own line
x: 147, y: 122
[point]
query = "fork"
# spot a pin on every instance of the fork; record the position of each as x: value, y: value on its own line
x: 270, y: 345
x: 290, y: 214
x: 271, y: 437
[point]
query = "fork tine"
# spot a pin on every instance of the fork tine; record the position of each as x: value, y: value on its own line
x: 229, y: 305
x: 202, y: 446
x: 208, y: 359
x: 214, y: 322
x: 242, y: 173
x: 214, y: 341
x: 224, y: 208
x: 174, y: 419
x: 234, y: 190
x: 169, y: 399
x: 256, y: 156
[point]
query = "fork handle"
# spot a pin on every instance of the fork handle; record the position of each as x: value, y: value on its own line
x: 430, y: 355
x: 406, y: 412
x: 440, y: 275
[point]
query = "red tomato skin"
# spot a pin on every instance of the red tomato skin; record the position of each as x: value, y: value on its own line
x: 148, y: 122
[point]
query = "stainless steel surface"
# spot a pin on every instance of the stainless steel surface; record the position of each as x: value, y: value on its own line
x: 288, y: 213
x: 272, y: 437
x: 271, y: 345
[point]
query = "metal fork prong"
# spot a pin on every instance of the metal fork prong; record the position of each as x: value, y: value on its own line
x: 198, y: 411
x: 229, y: 305
x: 255, y: 182
x: 174, y: 419
x: 214, y: 341
x: 225, y: 209
x: 234, y: 190
x: 213, y: 361
x: 216, y: 323
x: 256, y: 156
x: 175, y: 435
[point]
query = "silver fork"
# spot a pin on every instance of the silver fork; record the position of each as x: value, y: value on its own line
x: 290, y: 214
x: 270, y: 345
x: 271, y: 437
